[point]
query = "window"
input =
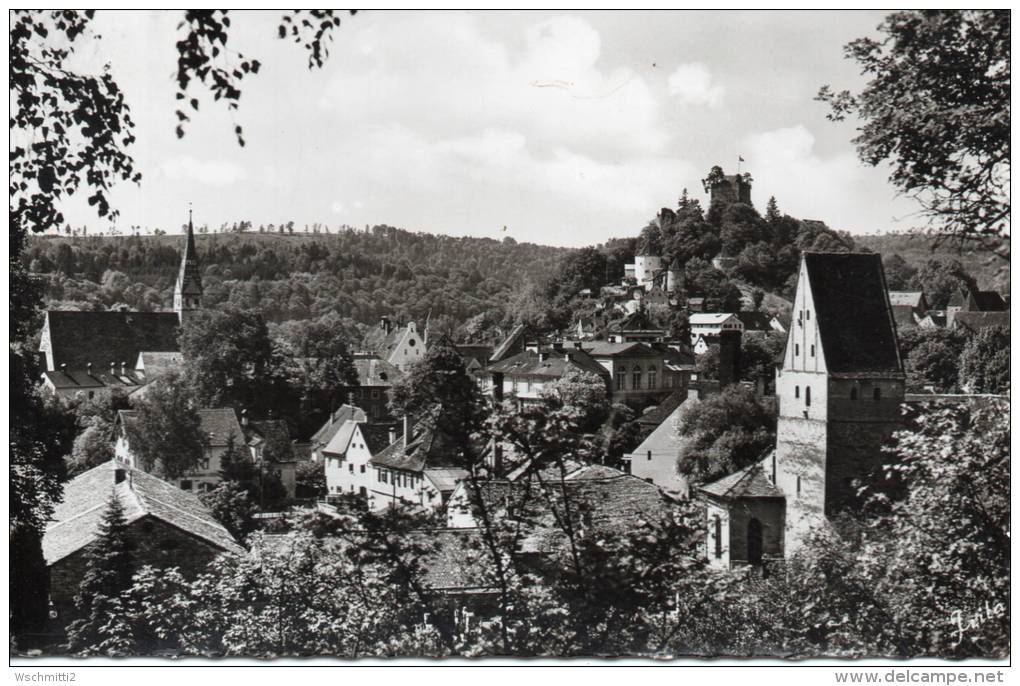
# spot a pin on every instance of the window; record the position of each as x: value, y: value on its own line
x: 203, y: 465
x: 807, y: 396
x: 411, y: 342
x: 798, y: 485
x: 350, y: 468
x: 652, y: 381
x: 807, y: 314
x: 514, y: 382
x: 362, y: 469
x: 382, y: 476
x: 853, y: 393
x: 375, y: 392
x: 877, y: 393
x: 796, y: 349
x: 636, y: 379
x: 621, y: 378
x: 812, y: 351
x: 186, y: 485
x: 796, y: 391
x: 718, y: 536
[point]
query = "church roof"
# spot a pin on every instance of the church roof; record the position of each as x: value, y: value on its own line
x: 78, y: 338
x: 76, y: 518
x: 855, y: 323
x: 749, y: 482
x: 189, y: 279
x: 986, y: 301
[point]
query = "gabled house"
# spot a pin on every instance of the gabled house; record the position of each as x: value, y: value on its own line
x: 527, y: 374
x: 401, y: 346
x: 975, y: 322
x: 641, y: 373
x: 336, y: 420
x: 656, y: 459
x: 415, y: 470
x: 713, y: 324
x: 348, y: 455
x: 218, y: 426
x: 168, y: 527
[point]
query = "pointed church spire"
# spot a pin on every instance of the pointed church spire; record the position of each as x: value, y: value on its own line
x: 188, y: 292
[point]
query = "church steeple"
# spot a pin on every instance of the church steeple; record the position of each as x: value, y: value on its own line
x: 188, y: 292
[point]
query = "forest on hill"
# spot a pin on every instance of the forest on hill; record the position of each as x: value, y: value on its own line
x: 359, y: 276
x: 474, y: 288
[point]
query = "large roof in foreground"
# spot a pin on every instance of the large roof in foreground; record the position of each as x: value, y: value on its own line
x: 76, y: 518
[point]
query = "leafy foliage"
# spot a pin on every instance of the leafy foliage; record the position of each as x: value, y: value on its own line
x: 984, y: 362
x: 937, y: 109
x: 102, y: 627
x: 724, y: 433
x: 167, y: 436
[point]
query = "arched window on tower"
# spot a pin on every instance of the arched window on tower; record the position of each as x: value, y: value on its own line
x: 796, y: 391
x: 807, y: 396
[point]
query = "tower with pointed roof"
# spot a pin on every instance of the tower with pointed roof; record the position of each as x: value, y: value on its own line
x: 188, y: 291
x: 839, y: 389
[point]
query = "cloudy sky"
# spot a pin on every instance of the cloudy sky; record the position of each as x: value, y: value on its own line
x: 565, y: 128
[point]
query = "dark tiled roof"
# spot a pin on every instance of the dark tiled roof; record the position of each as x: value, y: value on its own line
x: 749, y: 482
x: 976, y: 321
x: 658, y: 414
x: 511, y: 344
x: 904, y: 316
x: 554, y: 366
x: 74, y: 379
x: 377, y: 436
x: 986, y: 301
x: 636, y: 321
x: 445, y: 479
x: 78, y: 338
x: 755, y: 321
x: 76, y: 518
x: 275, y: 430
x: 326, y: 432
x: 854, y: 321
x: 906, y: 298
x: 217, y: 425
x: 373, y: 371
x: 477, y: 353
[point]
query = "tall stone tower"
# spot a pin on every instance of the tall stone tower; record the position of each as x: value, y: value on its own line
x: 188, y: 291
x: 727, y: 189
x: 839, y: 390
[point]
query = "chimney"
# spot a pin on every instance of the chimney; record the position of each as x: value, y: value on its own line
x: 729, y: 357
x: 407, y: 430
x: 63, y: 368
x: 119, y: 475
x: 123, y: 368
x: 244, y: 418
x: 393, y: 435
x: 497, y: 458
x: 497, y: 386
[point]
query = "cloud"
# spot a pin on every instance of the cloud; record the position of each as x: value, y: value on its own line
x: 549, y: 84
x: 810, y: 186
x: 692, y: 84
x: 208, y: 172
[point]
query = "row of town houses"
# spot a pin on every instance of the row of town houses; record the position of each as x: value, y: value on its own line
x: 839, y: 389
